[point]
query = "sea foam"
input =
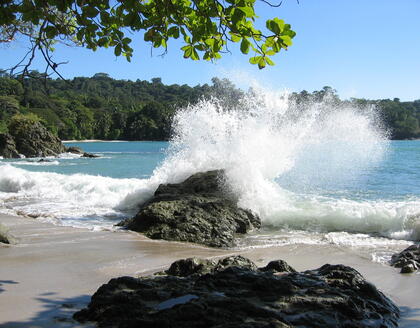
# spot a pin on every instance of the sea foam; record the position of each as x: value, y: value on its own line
x: 68, y: 199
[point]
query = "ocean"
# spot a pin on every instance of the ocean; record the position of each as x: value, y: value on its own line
x: 323, y: 175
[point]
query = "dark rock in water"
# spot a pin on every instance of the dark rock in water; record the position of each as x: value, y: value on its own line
x: 198, y: 210
x: 34, y: 140
x: 5, y: 237
x: 408, y: 260
x: 409, y: 267
x: 43, y: 160
x: 79, y: 151
x: 74, y: 150
x: 89, y: 155
x: 236, y: 296
x: 187, y: 267
x: 8, y: 146
x: 278, y: 266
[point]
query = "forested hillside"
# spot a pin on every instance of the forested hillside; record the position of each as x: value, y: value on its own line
x: 101, y: 107
x: 104, y: 108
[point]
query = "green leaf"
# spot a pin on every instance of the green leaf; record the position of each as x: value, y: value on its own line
x: 235, y: 37
x: 103, y: 42
x: 275, y: 25
x: 104, y: 17
x: 80, y: 34
x: 269, y: 61
x: 237, y: 16
x: 277, y: 46
x: 280, y: 23
x: 157, y: 41
x: 188, y: 52
x: 50, y: 32
x: 269, y: 42
x: 272, y: 26
x: 117, y: 50
x: 255, y: 60
x: 148, y: 36
x: 132, y: 20
x: 209, y: 42
x: 245, y: 44
x: 200, y: 47
x: 90, y: 11
x: 286, y: 40
x: 261, y: 63
x: 194, y: 55
x: 248, y: 11
x: 173, y: 32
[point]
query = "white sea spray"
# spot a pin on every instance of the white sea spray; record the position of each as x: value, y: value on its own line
x: 277, y: 156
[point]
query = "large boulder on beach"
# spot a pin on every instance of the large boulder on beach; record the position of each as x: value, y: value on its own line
x: 32, y: 139
x: 242, y: 296
x: 408, y: 260
x: 8, y: 146
x: 198, y: 210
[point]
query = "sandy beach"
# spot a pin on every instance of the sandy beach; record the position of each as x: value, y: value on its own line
x: 51, y: 271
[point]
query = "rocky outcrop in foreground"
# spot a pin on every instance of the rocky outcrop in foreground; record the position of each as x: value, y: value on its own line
x: 408, y: 260
x: 198, y: 210
x: 233, y: 292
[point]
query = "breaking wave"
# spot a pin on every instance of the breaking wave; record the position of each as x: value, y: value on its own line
x: 297, y: 167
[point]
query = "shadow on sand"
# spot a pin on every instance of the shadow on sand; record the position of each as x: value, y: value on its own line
x: 57, y: 312
x: 409, y: 317
x: 6, y: 282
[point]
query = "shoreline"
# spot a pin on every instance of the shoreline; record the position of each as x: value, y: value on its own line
x: 95, y: 140
x: 100, y: 140
x: 52, y: 270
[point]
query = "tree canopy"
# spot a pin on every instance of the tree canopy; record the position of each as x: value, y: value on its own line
x: 206, y: 27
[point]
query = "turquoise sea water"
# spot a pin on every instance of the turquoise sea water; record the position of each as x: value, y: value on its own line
x: 135, y: 159
x: 122, y: 167
x: 396, y: 177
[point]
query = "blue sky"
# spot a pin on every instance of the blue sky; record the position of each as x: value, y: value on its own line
x: 362, y: 48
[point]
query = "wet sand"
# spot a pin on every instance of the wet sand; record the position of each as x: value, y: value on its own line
x: 52, y: 271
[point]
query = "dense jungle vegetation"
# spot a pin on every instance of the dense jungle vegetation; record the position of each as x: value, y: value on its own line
x: 101, y: 107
